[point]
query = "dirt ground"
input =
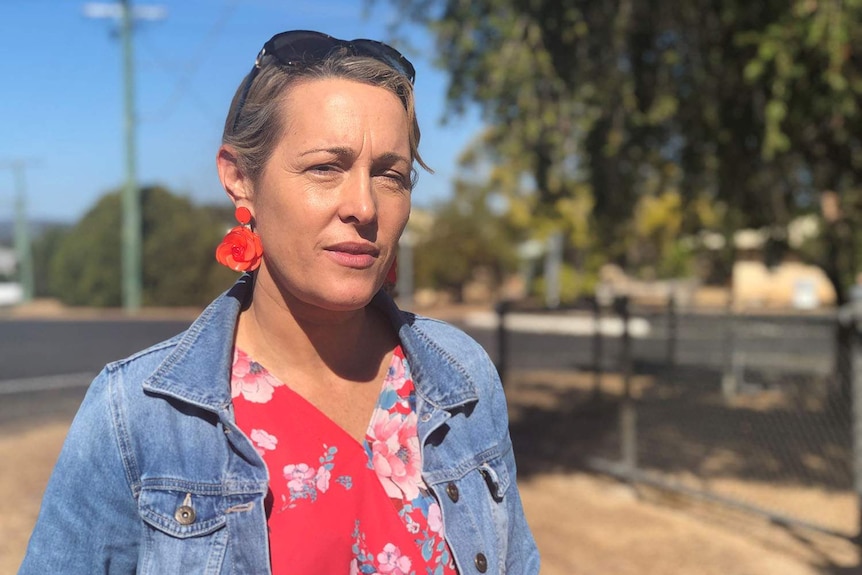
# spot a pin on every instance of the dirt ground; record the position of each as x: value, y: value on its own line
x: 587, y: 523
x: 584, y: 524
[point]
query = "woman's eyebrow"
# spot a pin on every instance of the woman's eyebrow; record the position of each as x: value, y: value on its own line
x: 388, y: 158
x: 391, y: 158
x: 340, y: 151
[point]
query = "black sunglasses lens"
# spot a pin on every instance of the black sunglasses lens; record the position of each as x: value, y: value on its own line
x: 387, y: 54
x: 302, y: 46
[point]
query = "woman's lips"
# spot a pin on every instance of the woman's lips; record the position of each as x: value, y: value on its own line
x: 353, y: 255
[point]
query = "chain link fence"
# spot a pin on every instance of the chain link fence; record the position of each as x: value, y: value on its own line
x: 747, y: 409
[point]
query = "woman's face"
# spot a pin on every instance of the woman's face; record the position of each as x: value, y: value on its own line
x: 334, y: 196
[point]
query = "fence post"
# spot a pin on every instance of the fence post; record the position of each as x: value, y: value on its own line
x: 502, y: 308
x: 672, y: 336
x: 856, y: 417
x: 628, y: 414
x: 597, y: 349
x: 730, y: 379
x: 621, y: 304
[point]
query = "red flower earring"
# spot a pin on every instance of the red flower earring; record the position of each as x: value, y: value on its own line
x: 240, y: 250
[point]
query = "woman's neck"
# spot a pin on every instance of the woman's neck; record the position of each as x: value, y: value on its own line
x: 292, y: 337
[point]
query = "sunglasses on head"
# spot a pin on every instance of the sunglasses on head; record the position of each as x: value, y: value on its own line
x: 304, y: 47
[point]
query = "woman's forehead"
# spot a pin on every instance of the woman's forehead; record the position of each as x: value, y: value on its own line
x: 336, y: 109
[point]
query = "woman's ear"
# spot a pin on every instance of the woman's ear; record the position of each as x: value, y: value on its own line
x: 233, y: 180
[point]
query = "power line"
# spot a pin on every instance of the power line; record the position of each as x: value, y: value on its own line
x: 182, y: 84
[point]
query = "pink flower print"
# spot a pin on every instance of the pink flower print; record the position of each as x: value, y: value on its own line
x: 322, y: 479
x: 299, y: 476
x: 251, y: 380
x: 397, y: 376
x: 395, y: 454
x: 435, y: 518
x: 263, y: 441
x: 391, y: 561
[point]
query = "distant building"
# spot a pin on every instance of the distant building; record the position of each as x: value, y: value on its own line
x: 8, y: 262
x: 788, y: 283
x: 10, y: 293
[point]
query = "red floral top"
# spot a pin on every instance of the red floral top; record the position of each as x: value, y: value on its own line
x: 335, y: 505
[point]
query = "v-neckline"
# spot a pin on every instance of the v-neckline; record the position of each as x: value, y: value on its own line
x: 361, y: 443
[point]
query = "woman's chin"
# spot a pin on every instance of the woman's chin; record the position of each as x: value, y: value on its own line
x: 347, y: 296
x: 335, y: 292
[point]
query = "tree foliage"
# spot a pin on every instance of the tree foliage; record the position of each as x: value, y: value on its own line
x: 45, y: 245
x: 465, y: 235
x: 178, y: 243
x: 749, y: 109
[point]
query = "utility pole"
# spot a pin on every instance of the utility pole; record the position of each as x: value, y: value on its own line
x: 23, y: 247
x: 131, y: 198
x: 131, y: 194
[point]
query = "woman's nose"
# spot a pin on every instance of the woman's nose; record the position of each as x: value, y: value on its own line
x: 358, y: 203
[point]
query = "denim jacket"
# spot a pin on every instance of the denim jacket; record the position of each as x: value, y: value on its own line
x: 155, y: 477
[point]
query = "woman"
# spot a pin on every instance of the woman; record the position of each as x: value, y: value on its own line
x: 302, y: 424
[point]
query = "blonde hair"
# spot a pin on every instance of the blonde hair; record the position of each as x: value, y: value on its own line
x: 254, y: 135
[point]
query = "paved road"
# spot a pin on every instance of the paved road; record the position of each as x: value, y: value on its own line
x: 31, y: 348
x: 793, y: 343
x: 45, y: 366
x: 60, y: 354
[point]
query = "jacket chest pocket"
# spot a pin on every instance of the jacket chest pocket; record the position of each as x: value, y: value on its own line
x: 476, y: 514
x: 492, y: 481
x: 184, y: 532
x: 496, y: 478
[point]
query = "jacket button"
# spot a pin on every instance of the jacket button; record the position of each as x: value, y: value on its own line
x: 185, y: 515
x: 452, y: 492
x: 481, y: 562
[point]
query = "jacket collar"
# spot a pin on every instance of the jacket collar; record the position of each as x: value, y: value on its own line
x: 197, y: 370
x: 439, y: 378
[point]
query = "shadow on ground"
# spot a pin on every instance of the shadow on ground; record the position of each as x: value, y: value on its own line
x: 785, y: 449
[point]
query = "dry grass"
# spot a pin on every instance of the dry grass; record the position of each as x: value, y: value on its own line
x: 27, y: 459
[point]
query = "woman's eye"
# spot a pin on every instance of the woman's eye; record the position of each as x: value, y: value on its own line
x: 323, y: 168
x: 395, y: 178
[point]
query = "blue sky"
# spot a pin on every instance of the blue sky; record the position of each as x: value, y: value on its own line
x: 62, y: 108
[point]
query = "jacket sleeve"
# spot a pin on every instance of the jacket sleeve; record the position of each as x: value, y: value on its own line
x: 522, y: 554
x: 89, y: 521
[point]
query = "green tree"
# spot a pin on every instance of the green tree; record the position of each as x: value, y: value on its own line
x: 179, y: 266
x: 465, y: 235
x: 85, y: 270
x: 752, y: 107
x: 179, y: 240
x: 45, y: 245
